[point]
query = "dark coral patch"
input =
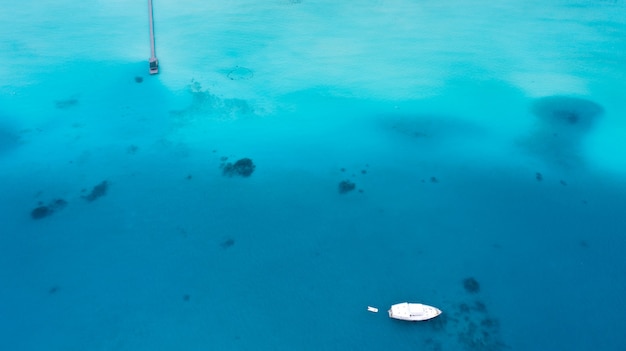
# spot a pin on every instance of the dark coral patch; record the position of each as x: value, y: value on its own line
x: 42, y: 211
x: 346, y: 186
x: 564, y: 111
x: 474, y: 326
x: 97, y: 191
x: 562, y: 124
x: 227, y: 243
x: 471, y: 285
x: 65, y: 104
x: 243, y: 167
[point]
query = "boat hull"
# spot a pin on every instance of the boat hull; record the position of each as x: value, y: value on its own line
x: 413, y: 312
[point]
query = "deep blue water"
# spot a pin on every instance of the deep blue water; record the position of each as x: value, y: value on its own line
x: 483, y: 142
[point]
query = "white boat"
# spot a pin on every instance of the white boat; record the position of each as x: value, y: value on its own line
x: 154, y: 65
x: 153, y: 61
x: 413, y: 311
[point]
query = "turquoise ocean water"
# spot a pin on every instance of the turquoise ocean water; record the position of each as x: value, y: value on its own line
x: 484, y: 141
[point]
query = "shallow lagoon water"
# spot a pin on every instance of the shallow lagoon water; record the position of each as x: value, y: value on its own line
x: 429, y: 109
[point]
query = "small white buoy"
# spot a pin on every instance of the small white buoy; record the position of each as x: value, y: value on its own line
x: 372, y: 309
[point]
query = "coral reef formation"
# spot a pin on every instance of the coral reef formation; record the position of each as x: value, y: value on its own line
x: 471, y: 285
x: 97, y: 191
x: 242, y: 167
x: 42, y: 211
x: 562, y: 124
x: 227, y: 243
x: 472, y: 324
x: 67, y: 103
x: 567, y: 114
x: 346, y: 186
x: 205, y: 104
